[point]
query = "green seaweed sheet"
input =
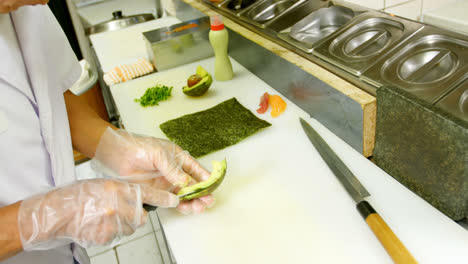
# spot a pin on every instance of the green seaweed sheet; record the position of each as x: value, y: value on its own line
x: 213, y: 129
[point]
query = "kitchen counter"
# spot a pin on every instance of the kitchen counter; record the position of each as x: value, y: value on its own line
x: 365, y: 100
x: 280, y: 203
x: 281, y: 206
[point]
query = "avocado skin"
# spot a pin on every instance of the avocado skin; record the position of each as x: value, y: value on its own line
x: 206, y: 187
x: 202, y: 86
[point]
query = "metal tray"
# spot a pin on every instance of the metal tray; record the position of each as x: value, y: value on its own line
x: 287, y: 19
x: 356, y: 47
x: 235, y: 7
x: 307, y: 33
x: 428, y: 65
x: 262, y: 12
x: 215, y: 3
x: 456, y: 102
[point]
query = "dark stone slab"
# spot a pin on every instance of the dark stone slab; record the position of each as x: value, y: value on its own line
x: 424, y: 148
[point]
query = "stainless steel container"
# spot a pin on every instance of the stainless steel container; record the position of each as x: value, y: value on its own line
x: 235, y: 7
x: 264, y: 11
x: 179, y: 44
x: 356, y: 47
x: 456, y: 102
x: 286, y: 19
x: 306, y: 33
x: 119, y: 21
x: 429, y: 64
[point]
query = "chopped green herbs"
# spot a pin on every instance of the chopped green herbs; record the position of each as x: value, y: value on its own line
x: 154, y: 95
x: 213, y: 129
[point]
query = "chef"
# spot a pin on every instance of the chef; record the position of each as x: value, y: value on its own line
x: 46, y: 216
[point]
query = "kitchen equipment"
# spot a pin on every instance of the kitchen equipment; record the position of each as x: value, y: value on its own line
x: 179, y: 44
x: 262, y: 12
x: 456, y: 102
x: 150, y: 208
x: 387, y: 238
x: 119, y: 21
x: 236, y: 6
x: 316, y: 26
x: 287, y: 19
x: 217, y: 3
x: 429, y: 64
x: 270, y: 209
x: 358, y: 46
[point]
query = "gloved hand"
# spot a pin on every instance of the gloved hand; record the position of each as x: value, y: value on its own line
x: 144, y: 160
x: 89, y: 212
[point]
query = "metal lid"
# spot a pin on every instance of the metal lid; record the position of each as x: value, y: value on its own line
x: 119, y: 21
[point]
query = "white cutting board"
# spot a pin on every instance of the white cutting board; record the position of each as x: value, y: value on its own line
x: 279, y: 202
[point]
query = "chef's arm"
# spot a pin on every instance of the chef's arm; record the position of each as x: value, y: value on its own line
x: 86, y: 125
x: 10, y: 242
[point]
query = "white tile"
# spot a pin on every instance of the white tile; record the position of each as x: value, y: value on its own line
x: 93, y: 251
x: 375, y: 4
x: 163, y: 247
x: 106, y: 258
x: 155, y: 220
x: 142, y: 251
x: 433, y: 4
x: 451, y: 16
x: 391, y: 3
x: 411, y: 10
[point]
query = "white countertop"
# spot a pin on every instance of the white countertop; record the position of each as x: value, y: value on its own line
x: 280, y: 203
x: 452, y: 16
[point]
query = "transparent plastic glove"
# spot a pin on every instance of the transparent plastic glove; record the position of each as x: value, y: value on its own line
x: 144, y: 160
x: 90, y: 212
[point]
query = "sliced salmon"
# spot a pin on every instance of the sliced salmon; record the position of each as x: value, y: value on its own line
x: 278, y: 105
x: 263, y: 106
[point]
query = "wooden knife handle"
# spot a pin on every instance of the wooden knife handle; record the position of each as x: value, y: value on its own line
x: 387, y: 238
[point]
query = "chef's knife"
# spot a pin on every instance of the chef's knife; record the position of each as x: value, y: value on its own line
x: 387, y: 238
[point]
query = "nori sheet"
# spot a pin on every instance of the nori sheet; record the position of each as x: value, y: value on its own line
x: 213, y: 129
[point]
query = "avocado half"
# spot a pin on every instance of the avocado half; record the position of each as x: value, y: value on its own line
x: 202, y: 86
x: 205, y: 187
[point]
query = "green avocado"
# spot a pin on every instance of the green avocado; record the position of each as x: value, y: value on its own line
x: 202, y: 86
x: 205, y: 187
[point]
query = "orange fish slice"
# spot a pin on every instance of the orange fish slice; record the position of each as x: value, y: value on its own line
x: 278, y: 105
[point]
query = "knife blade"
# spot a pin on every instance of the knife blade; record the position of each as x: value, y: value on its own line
x: 149, y: 207
x: 392, y: 244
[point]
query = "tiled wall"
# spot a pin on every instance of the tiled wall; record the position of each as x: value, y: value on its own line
x: 412, y: 9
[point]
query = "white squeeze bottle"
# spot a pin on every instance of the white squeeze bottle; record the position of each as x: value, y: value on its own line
x: 219, y: 39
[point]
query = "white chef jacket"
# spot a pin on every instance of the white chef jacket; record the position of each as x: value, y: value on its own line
x: 37, y: 65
